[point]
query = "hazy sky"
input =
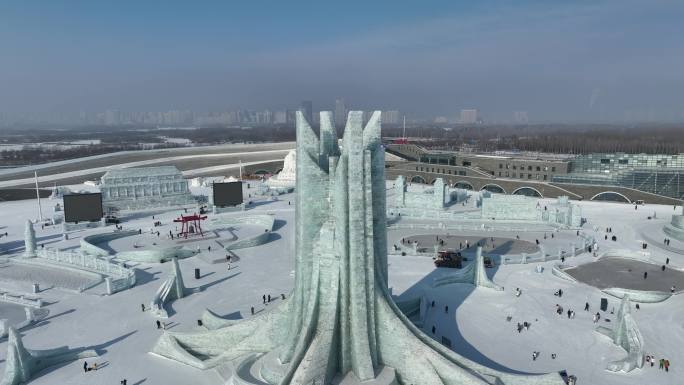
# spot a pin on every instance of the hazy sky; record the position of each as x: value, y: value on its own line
x: 558, y: 60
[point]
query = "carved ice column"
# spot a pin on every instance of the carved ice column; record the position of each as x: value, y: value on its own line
x: 29, y: 313
x: 439, y: 194
x: 29, y: 240
x: 399, y: 191
x: 178, y: 284
x: 340, y: 325
x: 109, y: 284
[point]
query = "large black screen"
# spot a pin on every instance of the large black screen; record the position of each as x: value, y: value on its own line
x: 227, y: 194
x: 82, y: 207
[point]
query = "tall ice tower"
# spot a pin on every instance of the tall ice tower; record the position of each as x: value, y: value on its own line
x: 340, y: 324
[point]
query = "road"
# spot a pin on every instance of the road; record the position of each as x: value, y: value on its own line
x: 193, y: 161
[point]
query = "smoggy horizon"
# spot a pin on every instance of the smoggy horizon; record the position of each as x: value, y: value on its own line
x: 572, y: 62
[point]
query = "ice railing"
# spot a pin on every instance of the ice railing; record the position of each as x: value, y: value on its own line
x: 89, y: 242
x: 476, y: 226
x: 117, y: 276
x: 20, y: 299
x: 573, y: 249
x: 89, y: 246
x: 86, y: 262
x: 642, y: 256
x: 266, y: 221
x: 33, y: 315
x: 641, y: 296
x: 473, y: 216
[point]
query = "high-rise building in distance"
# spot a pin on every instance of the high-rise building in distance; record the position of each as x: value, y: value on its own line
x: 280, y: 117
x: 470, y: 116
x: 264, y: 117
x: 520, y: 117
x: 112, y: 117
x: 390, y: 117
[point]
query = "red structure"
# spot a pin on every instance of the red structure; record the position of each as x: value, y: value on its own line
x: 187, y: 221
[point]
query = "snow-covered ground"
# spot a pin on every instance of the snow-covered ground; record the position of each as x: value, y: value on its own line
x: 475, y: 322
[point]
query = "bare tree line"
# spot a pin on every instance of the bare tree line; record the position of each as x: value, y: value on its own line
x: 550, y: 138
x: 559, y: 139
x: 114, y: 139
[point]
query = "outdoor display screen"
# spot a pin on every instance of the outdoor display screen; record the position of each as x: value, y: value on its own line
x: 227, y: 194
x: 83, y: 207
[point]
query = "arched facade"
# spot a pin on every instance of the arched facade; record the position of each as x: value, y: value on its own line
x: 494, y: 188
x: 464, y: 185
x: 610, y: 196
x: 418, y: 179
x: 528, y: 191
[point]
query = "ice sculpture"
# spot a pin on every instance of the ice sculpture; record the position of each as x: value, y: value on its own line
x: 29, y: 240
x: 474, y: 273
x: 430, y: 199
x: 340, y: 324
x: 22, y: 363
x: 144, y: 187
x: 675, y: 228
x: 524, y: 208
x: 287, y: 177
x: 171, y: 289
x: 626, y: 334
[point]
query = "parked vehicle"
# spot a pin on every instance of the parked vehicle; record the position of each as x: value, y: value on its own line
x: 449, y: 258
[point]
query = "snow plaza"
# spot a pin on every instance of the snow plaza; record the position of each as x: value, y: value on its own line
x: 336, y: 283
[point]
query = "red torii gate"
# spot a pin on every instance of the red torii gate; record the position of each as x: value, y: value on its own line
x: 185, y: 221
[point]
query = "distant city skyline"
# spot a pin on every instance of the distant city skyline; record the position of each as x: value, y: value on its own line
x: 117, y: 117
x: 575, y: 61
x: 271, y: 116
